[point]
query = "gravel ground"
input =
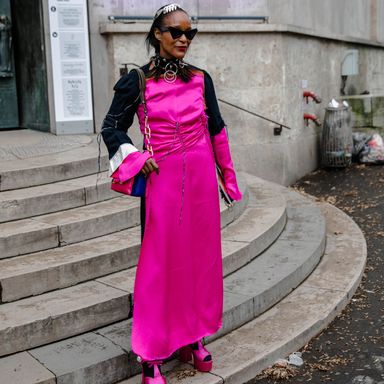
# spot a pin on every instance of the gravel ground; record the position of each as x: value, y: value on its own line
x: 351, y: 349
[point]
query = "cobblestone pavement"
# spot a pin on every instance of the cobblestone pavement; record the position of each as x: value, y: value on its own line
x: 351, y: 349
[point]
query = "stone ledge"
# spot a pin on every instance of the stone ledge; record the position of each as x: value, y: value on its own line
x: 224, y: 26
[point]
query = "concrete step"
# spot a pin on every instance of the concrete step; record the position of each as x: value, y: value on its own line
x: 68, y: 227
x: 62, y: 195
x: 61, y: 267
x: 51, y: 168
x: 243, y: 240
x: 59, y: 314
x: 240, y: 355
x: 263, y: 282
x: 34, y: 327
x: 104, y: 356
x: 74, y: 225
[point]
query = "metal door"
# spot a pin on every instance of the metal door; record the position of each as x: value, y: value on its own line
x: 31, y: 70
x: 9, y: 116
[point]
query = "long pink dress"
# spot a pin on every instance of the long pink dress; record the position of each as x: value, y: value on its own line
x: 178, y: 292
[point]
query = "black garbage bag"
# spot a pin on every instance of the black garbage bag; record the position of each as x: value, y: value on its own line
x: 360, y: 146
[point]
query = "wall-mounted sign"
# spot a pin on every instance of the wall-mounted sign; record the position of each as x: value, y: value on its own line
x: 68, y: 20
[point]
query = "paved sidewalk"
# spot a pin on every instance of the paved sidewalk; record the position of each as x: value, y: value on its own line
x: 351, y: 349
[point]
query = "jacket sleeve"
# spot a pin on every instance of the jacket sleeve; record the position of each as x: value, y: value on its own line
x: 219, y: 140
x: 215, y: 121
x: 115, y: 126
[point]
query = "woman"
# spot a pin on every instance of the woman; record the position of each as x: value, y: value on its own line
x: 178, y: 292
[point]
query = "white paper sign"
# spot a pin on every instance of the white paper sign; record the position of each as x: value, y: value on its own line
x: 68, y: 21
x: 75, y: 97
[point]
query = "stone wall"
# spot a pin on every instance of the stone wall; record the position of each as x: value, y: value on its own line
x: 358, y: 18
x: 262, y: 68
x: 367, y: 111
x: 339, y: 17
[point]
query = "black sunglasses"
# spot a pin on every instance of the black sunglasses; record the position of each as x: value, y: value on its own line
x: 177, y: 33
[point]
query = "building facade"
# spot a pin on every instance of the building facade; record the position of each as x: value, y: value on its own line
x: 261, y: 54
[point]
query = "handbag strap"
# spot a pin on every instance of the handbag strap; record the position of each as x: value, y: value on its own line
x: 142, y: 84
x: 147, y: 129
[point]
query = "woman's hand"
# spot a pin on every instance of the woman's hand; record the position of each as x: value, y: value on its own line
x: 150, y: 166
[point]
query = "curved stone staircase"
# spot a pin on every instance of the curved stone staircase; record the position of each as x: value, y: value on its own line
x: 68, y: 250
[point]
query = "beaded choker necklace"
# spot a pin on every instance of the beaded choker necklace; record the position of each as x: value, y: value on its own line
x: 170, y: 67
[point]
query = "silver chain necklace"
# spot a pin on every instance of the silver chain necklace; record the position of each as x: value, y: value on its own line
x: 171, y: 69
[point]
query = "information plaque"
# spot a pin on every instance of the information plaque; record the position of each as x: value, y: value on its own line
x: 68, y: 21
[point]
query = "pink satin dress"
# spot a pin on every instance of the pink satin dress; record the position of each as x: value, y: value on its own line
x: 178, y: 292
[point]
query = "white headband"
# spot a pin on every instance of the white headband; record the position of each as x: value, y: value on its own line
x: 166, y: 9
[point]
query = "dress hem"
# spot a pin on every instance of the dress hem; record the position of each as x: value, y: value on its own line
x: 170, y: 355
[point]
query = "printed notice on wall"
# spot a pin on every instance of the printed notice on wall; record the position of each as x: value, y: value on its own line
x: 75, y: 97
x: 72, y: 46
x: 69, y: 37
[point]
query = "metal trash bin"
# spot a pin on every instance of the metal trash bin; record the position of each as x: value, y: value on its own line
x: 337, y: 141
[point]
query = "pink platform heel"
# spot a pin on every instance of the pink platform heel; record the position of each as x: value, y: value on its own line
x: 202, y: 359
x: 152, y: 373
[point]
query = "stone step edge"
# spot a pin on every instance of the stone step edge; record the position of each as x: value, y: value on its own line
x: 276, y: 227
x: 242, y: 303
x: 232, y: 260
x: 58, y: 229
x: 55, y: 167
x: 58, y: 196
x: 92, y: 333
x: 117, y: 358
x: 245, y: 305
x: 243, y: 353
x: 44, y: 233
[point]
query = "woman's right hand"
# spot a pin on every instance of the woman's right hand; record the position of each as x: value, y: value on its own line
x: 150, y: 166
